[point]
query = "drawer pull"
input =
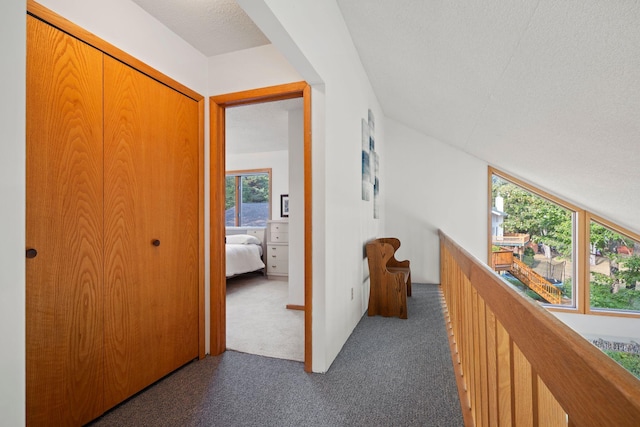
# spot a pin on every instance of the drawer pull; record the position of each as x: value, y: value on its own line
x: 31, y: 253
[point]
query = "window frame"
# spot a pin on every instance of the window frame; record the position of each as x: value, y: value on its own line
x: 238, y: 174
x: 581, y: 242
x: 590, y: 217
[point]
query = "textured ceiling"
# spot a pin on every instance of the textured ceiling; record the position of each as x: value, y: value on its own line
x: 548, y: 90
x: 213, y: 27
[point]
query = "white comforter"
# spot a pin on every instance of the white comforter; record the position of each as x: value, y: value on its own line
x: 243, y: 258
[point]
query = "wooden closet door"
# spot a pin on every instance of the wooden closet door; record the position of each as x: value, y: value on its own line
x: 151, y: 195
x: 64, y: 224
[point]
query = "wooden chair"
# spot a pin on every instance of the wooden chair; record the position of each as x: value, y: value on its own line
x: 390, y: 279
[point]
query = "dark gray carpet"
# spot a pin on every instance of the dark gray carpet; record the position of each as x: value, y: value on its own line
x: 391, y: 372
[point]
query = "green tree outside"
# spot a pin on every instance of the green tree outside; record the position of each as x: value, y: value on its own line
x: 550, y: 224
x: 255, y: 188
x: 230, y: 192
x: 544, y: 221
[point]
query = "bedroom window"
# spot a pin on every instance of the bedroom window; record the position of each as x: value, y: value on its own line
x: 248, y: 198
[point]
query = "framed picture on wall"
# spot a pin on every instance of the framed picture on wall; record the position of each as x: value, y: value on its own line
x: 284, y: 205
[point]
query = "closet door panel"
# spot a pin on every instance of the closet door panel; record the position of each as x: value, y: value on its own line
x: 151, y: 229
x: 64, y: 225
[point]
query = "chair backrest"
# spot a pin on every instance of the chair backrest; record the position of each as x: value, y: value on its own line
x: 378, y: 254
x: 393, y: 241
x: 388, y: 289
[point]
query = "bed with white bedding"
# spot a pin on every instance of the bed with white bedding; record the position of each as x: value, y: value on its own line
x: 244, y: 251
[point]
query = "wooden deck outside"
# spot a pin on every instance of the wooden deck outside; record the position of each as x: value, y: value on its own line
x: 511, y: 239
x: 536, y: 282
x: 505, y: 261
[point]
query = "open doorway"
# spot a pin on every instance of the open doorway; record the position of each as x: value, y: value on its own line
x: 218, y: 106
x: 264, y: 263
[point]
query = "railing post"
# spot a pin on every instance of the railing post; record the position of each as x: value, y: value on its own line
x: 518, y: 364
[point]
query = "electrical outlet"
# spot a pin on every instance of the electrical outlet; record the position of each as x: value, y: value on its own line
x: 351, y: 294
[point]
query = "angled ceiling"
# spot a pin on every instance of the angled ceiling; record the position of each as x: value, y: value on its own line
x: 547, y: 90
x: 213, y: 27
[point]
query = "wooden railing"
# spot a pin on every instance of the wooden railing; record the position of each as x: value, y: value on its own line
x: 536, y: 282
x: 517, y: 365
x: 502, y: 260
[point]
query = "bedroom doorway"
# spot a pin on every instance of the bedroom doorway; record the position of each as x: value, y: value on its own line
x: 218, y: 297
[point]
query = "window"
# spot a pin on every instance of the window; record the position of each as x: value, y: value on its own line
x: 534, y: 236
x: 248, y: 198
x: 614, y: 270
x: 545, y: 246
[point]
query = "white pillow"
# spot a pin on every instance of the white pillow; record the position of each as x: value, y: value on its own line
x: 243, y: 239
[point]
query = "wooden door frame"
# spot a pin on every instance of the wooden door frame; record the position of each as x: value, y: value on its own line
x: 217, y: 107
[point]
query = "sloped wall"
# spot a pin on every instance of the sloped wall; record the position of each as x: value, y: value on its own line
x: 431, y: 186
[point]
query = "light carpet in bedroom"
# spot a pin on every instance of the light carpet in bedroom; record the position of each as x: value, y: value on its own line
x: 258, y: 321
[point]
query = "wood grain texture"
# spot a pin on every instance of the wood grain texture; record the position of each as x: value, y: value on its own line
x: 522, y: 389
x: 505, y: 382
x: 482, y: 359
x: 474, y: 367
x: 266, y: 94
x: 492, y: 369
x: 201, y: 242
x: 388, y: 293
x: 395, y: 265
x: 91, y: 39
x: 218, y: 286
x: 151, y: 192
x: 465, y: 405
x: 308, y: 233
x: 590, y: 387
x: 550, y: 413
x: 65, y: 221
x: 64, y: 320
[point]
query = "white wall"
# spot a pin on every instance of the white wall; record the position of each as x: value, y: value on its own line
x: 278, y: 161
x: 12, y: 215
x: 296, y: 207
x: 257, y: 67
x: 618, y: 329
x: 338, y: 105
x: 440, y: 187
x: 431, y: 186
